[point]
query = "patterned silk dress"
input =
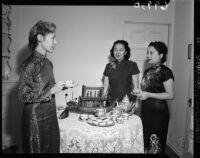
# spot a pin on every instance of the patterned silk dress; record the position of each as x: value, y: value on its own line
x: 154, y: 112
x: 40, y: 130
x: 120, y: 78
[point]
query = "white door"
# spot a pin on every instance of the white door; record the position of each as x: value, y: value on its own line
x: 139, y: 35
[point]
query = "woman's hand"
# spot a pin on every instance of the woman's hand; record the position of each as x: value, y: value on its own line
x: 56, y: 89
x: 61, y: 84
x: 144, y: 95
x: 136, y: 92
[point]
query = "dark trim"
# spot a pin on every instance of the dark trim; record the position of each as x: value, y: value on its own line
x: 9, y: 149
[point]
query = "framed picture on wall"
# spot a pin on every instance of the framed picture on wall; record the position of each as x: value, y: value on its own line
x: 189, y: 51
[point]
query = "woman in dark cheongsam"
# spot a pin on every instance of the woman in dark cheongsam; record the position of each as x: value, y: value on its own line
x: 37, y: 88
x: 156, y: 88
x: 121, y: 75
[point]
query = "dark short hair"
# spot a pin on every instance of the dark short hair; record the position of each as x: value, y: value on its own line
x: 161, y: 48
x: 126, y: 46
x: 41, y: 27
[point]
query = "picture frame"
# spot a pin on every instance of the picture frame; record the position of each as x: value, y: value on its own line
x: 189, y: 51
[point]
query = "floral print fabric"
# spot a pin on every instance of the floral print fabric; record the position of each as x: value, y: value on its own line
x: 34, y: 86
x: 40, y: 131
x: 154, y: 112
x: 154, y: 77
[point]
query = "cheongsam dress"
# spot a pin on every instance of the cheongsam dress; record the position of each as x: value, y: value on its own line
x: 154, y: 112
x: 40, y: 130
x: 120, y: 78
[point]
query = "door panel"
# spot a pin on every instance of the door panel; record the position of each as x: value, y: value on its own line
x: 139, y: 35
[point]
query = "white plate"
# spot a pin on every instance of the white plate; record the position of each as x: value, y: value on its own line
x: 70, y: 84
x: 67, y: 84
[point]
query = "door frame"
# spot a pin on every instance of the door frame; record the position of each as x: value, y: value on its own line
x: 190, y: 107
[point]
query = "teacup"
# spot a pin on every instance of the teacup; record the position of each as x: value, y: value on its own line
x: 117, y: 111
x: 84, y: 116
x: 114, y: 117
x: 120, y: 120
x: 100, y: 112
x: 108, y: 115
x: 125, y: 116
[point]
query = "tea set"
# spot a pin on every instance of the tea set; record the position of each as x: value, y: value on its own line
x: 103, y: 119
x: 118, y: 114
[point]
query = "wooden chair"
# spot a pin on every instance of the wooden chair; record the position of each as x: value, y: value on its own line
x: 91, y: 99
x: 92, y: 92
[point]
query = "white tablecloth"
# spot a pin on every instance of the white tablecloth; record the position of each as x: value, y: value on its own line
x: 80, y: 137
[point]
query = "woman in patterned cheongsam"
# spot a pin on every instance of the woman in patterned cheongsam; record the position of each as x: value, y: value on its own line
x: 37, y: 88
x: 156, y: 87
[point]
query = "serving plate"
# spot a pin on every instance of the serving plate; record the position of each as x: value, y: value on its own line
x: 99, y: 123
x: 66, y: 84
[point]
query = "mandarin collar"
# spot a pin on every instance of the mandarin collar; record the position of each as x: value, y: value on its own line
x: 39, y: 55
x: 156, y: 66
x: 119, y: 62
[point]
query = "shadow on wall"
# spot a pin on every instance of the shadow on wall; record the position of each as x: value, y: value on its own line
x: 110, y: 59
x: 13, y: 116
x: 15, y: 107
x: 23, y: 54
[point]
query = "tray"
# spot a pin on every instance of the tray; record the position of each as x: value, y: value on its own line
x: 83, y: 120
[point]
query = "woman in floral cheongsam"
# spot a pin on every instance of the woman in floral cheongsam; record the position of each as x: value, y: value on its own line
x: 37, y: 88
x: 156, y: 88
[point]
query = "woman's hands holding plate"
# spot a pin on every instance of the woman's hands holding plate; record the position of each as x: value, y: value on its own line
x: 66, y: 84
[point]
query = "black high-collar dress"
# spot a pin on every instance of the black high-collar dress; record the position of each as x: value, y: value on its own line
x: 154, y: 112
x: 120, y: 78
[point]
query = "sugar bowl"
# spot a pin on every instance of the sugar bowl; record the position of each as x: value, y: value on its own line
x: 100, y: 112
x: 125, y: 116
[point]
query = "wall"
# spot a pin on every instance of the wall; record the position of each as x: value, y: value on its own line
x: 85, y: 35
x: 183, y: 35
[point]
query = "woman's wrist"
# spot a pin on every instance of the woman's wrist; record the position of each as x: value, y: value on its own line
x: 149, y: 95
x: 51, y: 91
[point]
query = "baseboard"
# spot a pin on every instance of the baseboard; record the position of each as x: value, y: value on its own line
x: 10, y: 149
x: 174, y: 149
